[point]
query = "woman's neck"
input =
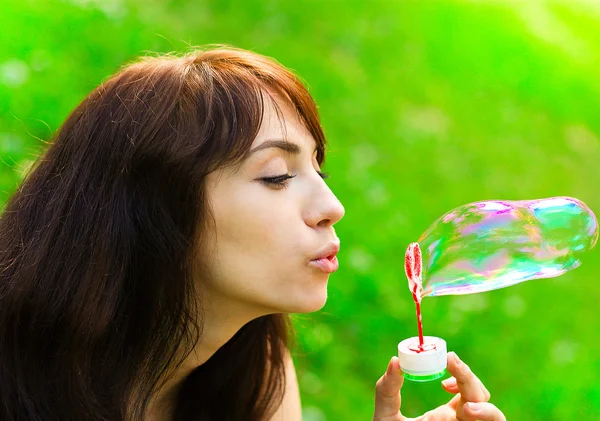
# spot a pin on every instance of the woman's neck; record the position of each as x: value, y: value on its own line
x: 221, y: 321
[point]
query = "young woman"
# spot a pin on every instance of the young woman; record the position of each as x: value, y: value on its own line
x: 150, y: 257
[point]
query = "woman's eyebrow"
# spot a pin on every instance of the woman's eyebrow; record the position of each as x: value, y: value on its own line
x: 286, y: 146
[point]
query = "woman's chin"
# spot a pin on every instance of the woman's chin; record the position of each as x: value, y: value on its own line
x: 309, y: 304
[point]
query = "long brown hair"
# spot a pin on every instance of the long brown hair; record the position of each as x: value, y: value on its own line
x: 98, y: 242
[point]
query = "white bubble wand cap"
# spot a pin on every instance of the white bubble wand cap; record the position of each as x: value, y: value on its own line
x: 426, y: 364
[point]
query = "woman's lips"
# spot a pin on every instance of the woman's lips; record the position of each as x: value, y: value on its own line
x: 327, y: 264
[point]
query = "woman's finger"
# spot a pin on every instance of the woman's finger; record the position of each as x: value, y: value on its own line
x: 483, y: 411
x: 470, y: 387
x: 387, y: 393
x: 450, y: 385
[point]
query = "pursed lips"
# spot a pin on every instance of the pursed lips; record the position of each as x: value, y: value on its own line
x: 326, y: 259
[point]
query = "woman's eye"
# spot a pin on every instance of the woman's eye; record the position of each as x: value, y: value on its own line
x: 279, y: 181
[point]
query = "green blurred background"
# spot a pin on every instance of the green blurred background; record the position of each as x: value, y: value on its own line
x: 427, y: 105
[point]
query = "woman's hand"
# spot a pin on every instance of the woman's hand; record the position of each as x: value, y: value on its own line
x: 469, y: 404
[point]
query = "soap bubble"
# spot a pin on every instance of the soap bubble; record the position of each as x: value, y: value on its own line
x: 493, y: 244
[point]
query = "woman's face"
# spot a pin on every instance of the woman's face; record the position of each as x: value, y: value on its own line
x: 265, y: 235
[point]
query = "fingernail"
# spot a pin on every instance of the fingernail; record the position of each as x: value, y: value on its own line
x: 473, y: 407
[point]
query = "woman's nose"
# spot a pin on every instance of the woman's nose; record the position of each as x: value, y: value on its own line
x: 325, y: 209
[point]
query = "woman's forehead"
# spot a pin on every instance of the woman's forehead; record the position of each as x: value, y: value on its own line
x: 281, y: 121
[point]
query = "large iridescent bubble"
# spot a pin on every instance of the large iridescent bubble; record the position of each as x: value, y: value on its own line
x: 493, y: 244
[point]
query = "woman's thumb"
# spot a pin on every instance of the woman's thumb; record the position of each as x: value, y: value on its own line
x: 387, y: 392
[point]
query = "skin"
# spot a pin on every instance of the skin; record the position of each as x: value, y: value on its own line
x: 257, y: 262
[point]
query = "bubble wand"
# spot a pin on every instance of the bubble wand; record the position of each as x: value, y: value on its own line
x: 425, y: 359
x: 413, y: 269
